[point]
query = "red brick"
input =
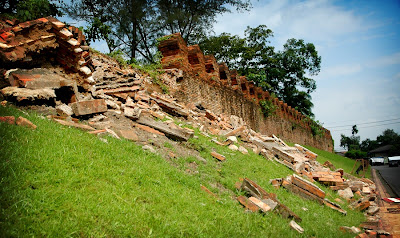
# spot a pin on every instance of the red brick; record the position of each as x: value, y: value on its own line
x: 65, y: 33
x: 89, y: 107
x: 218, y: 156
x: 207, y: 191
x: 44, y: 20
x: 129, y: 135
x: 21, y: 121
x: 7, y: 36
x: 149, y: 129
x: 248, y: 204
x: 8, y: 119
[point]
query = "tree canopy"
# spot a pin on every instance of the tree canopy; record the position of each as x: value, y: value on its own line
x: 134, y: 26
x: 284, y: 73
x: 25, y: 10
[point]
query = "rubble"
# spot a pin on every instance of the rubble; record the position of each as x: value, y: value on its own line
x: 113, y: 100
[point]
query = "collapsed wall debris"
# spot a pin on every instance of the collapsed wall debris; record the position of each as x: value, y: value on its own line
x: 124, y: 103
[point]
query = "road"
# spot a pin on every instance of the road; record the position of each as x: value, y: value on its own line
x: 391, y: 176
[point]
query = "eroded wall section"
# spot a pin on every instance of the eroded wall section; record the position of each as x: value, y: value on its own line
x: 216, y: 87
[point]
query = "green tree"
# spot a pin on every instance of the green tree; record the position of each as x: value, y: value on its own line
x: 352, y: 142
x: 284, y: 73
x: 134, y: 25
x: 25, y: 10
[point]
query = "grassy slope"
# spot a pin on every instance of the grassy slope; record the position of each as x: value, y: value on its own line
x: 57, y: 181
x: 338, y: 161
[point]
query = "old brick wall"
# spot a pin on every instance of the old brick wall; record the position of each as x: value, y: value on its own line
x: 221, y: 90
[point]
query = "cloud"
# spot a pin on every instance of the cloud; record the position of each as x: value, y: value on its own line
x: 339, y: 70
x: 386, y: 60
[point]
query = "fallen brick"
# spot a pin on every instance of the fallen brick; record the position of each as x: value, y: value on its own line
x: 218, y: 156
x: 283, y: 154
x: 149, y: 129
x: 132, y: 113
x: 296, y: 227
x: 171, y: 107
x: 248, y: 204
x: 172, y: 133
x: 64, y: 110
x: 264, y: 207
x: 21, y: 121
x: 89, y: 107
x: 211, y: 115
x: 334, y: 206
x: 129, y: 135
x: 97, y: 131
x: 298, y: 181
x: 74, y: 124
x: 8, y: 119
x: 235, y: 131
x: 208, y: 191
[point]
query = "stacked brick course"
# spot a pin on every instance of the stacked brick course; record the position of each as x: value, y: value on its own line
x: 222, y: 90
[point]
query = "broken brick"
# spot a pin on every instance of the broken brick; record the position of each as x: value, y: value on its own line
x: 129, y: 135
x: 149, y: 129
x: 264, y: 207
x: 8, y: 119
x: 89, y: 107
x: 218, y: 156
x: 21, y: 121
x: 248, y: 204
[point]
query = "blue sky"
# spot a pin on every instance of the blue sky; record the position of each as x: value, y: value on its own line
x: 359, y: 42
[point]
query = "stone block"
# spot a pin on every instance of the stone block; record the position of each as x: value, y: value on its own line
x: 89, y: 107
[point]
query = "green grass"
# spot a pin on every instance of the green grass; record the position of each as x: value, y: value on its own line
x: 339, y: 161
x: 58, y: 181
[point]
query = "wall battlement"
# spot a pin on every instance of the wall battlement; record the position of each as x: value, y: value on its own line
x: 222, y: 90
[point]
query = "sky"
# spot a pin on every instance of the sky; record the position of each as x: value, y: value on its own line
x: 359, y: 43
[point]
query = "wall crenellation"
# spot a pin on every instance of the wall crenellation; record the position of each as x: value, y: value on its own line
x: 222, y: 90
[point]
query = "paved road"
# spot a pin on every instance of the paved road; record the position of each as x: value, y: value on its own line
x: 391, y: 176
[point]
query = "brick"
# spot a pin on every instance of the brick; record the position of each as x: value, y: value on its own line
x: 308, y: 186
x: 89, y: 107
x: 218, y: 156
x: 211, y: 115
x: 74, y: 43
x: 264, y: 207
x: 178, y: 134
x: 74, y: 124
x: 207, y: 191
x: 58, y: 25
x: 7, y: 36
x: 21, y: 121
x: 149, y: 129
x: 85, y: 70
x: 248, y: 204
x: 8, y: 119
x: 120, y: 90
x: 97, y: 131
x: 65, y: 34
x: 129, y: 135
x: 132, y: 113
x: 43, y: 20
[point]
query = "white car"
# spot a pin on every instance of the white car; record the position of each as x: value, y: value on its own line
x: 377, y: 161
x: 394, y: 161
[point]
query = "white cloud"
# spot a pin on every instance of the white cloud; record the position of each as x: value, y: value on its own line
x: 392, y: 59
x: 331, y: 72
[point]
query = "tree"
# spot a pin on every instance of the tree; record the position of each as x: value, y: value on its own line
x: 352, y: 142
x: 25, y: 10
x: 388, y: 137
x: 284, y: 73
x: 134, y: 25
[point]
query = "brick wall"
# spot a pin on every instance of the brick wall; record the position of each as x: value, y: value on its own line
x: 222, y: 90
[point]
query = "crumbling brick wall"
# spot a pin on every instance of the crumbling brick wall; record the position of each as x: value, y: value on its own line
x: 27, y: 44
x: 221, y: 90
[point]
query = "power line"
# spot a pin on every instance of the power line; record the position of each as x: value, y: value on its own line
x: 371, y: 126
x: 345, y: 121
x: 366, y: 123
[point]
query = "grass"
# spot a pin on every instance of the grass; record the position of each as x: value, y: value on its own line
x: 338, y: 161
x: 58, y: 181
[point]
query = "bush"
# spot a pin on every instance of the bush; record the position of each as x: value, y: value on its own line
x: 356, y: 154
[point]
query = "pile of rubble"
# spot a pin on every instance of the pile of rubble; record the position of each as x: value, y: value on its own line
x: 126, y: 103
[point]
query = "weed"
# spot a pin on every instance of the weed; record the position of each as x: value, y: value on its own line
x: 267, y: 108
